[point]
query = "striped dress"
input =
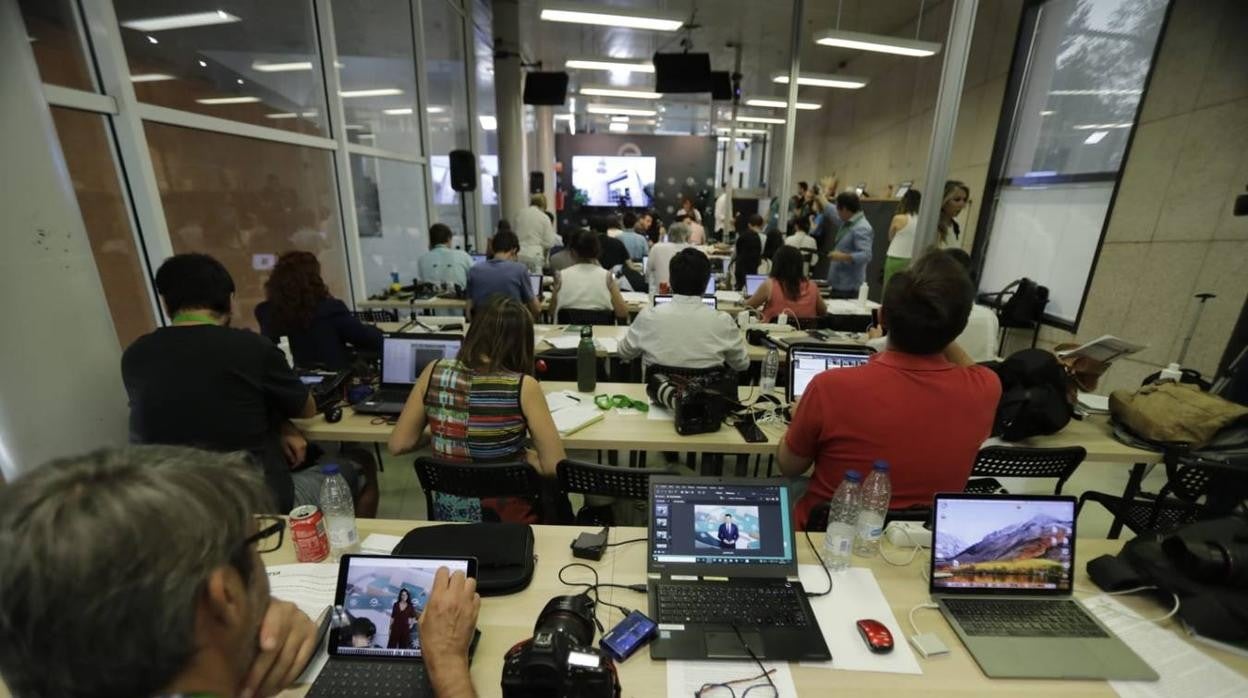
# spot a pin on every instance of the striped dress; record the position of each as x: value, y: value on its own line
x: 475, y: 416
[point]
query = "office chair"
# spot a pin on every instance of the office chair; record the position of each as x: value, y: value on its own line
x: 605, y: 481
x: 1010, y: 461
x: 375, y: 315
x: 478, y: 480
x: 1176, y: 503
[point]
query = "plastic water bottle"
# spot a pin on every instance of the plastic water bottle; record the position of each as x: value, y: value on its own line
x: 339, y: 509
x: 842, y: 515
x: 586, y: 361
x: 877, y: 491
x: 863, y: 290
x: 771, y: 366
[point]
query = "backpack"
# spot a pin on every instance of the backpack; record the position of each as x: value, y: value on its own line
x: 1025, y: 305
x: 1033, y: 395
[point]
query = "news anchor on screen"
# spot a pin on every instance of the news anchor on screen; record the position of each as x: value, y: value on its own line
x: 728, y: 533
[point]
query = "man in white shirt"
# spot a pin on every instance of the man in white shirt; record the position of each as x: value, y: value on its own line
x: 536, y: 233
x: 685, y: 333
x: 723, y: 214
x: 801, y: 237
x: 661, y: 256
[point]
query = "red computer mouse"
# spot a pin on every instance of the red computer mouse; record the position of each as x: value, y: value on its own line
x: 877, y: 637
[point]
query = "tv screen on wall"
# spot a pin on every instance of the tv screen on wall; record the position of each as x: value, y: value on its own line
x: 618, y: 181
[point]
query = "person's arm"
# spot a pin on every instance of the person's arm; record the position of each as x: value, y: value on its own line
x: 821, y: 307
x: 862, y: 246
x: 733, y: 344
x: 957, y: 355
x: 541, y: 427
x: 554, y: 293
x: 801, y: 440
x: 549, y: 238
x: 899, y: 222
x: 409, y: 429
x: 535, y: 308
x: 617, y: 299
x: 354, y: 332
x: 630, y: 343
x: 446, y: 629
x: 468, y: 308
x: 287, y: 640
x: 294, y: 444
x: 760, y: 297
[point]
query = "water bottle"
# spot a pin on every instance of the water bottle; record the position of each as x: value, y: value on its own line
x: 771, y: 366
x: 339, y: 509
x: 838, y: 544
x: 877, y: 491
x: 862, y: 293
x: 586, y: 361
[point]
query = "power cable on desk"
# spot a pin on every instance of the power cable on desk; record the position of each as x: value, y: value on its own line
x: 626, y: 542
x: 826, y: 573
x: 594, y: 589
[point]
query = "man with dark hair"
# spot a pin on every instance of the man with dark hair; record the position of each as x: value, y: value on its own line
x: 611, y: 252
x: 851, y: 251
x: 201, y: 383
x: 923, y: 404
x: 159, y: 549
x: 728, y: 533
x: 749, y: 251
x: 564, y: 258
x: 442, y: 265
x: 501, y: 275
x: 685, y: 333
x: 633, y: 239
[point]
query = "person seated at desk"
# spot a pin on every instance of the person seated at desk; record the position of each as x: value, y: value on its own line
x: 697, y: 233
x: 851, y: 251
x: 586, y: 285
x: 501, y: 275
x: 120, y: 526
x: 483, y: 407
x: 788, y: 290
x: 922, y: 405
x: 611, y: 252
x: 685, y: 333
x: 801, y: 237
x: 563, y: 258
x: 320, y: 328
x: 199, y: 382
x: 658, y: 274
x: 749, y: 251
x: 441, y: 265
x: 634, y: 240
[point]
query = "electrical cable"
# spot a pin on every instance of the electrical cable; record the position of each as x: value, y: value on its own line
x: 626, y: 542
x: 914, y: 553
x: 826, y: 572
x: 914, y: 626
x: 1133, y: 590
x: 593, y: 588
x: 750, y: 651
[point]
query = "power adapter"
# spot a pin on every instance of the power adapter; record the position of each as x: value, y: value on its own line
x: 590, y: 546
x: 928, y: 645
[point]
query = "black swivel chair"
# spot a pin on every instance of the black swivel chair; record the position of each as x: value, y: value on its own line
x: 606, y: 481
x: 376, y: 315
x: 478, y: 480
x: 1009, y: 461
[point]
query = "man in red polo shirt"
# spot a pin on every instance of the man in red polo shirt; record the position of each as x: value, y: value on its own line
x: 923, y: 404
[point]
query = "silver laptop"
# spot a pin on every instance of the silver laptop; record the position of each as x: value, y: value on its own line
x: 1002, y: 572
x: 403, y: 357
x: 752, y: 282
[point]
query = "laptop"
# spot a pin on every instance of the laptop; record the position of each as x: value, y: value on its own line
x: 403, y: 357
x: 1002, y: 572
x: 710, y: 286
x: 368, y: 656
x: 723, y: 572
x: 752, y: 282
x: 664, y: 298
x: 809, y: 360
x: 477, y: 258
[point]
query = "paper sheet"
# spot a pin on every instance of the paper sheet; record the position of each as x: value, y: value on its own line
x: 685, y: 678
x: 379, y: 544
x: 564, y: 341
x: 560, y: 399
x: 729, y: 296
x: 850, y: 306
x: 855, y: 596
x: 311, y: 587
x: 611, y: 345
x: 635, y: 297
x: 570, y: 420
x: 1185, y: 670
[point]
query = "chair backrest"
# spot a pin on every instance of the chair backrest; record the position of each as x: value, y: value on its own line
x: 376, y: 315
x: 476, y: 480
x: 606, y: 480
x: 578, y: 316
x: 1011, y: 461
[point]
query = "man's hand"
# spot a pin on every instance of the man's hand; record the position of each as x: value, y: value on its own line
x: 294, y: 445
x: 287, y: 641
x: 446, y: 628
x: 838, y: 256
x: 875, y: 332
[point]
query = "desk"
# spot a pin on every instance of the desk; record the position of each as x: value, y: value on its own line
x: 506, y: 620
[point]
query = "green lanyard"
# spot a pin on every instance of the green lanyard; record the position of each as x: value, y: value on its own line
x: 194, y: 317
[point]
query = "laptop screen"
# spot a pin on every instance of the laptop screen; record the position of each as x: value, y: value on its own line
x: 404, y: 356
x: 710, y: 286
x: 665, y: 298
x: 720, y: 523
x: 806, y: 362
x: 752, y: 282
x: 535, y: 284
x: 478, y: 258
x: 1003, y: 544
x: 370, y: 589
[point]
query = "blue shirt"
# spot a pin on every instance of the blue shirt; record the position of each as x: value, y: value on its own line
x: 853, y: 237
x: 498, y: 276
x: 443, y: 265
x: 635, y: 243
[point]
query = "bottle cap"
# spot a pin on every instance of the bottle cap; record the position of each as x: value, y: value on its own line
x: 880, y: 465
x: 853, y: 476
x: 586, y: 331
x: 329, y: 469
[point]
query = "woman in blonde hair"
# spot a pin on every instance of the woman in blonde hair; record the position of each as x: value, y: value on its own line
x: 901, y: 234
x: 948, y: 232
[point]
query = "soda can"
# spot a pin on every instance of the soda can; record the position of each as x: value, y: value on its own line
x: 307, y: 528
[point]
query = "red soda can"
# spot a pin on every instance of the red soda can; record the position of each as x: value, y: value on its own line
x: 307, y: 528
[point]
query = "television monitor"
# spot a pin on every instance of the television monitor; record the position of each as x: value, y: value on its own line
x: 615, y: 181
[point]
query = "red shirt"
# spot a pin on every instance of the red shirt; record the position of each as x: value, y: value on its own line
x: 924, y: 415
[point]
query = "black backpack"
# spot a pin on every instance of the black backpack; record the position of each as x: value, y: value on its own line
x: 1033, y: 395
x: 1024, y: 303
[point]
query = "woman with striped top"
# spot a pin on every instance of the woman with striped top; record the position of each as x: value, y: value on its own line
x: 484, y: 406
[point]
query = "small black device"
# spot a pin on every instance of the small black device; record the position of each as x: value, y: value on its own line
x: 560, y: 659
x: 325, y: 386
x: 682, y: 72
x: 333, y: 414
x: 546, y: 88
x: 629, y: 635
x: 750, y: 432
x: 463, y: 170
x: 721, y: 86
x: 590, y: 546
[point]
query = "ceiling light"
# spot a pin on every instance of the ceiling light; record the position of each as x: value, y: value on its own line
x: 194, y: 19
x: 780, y: 104
x: 1048, y: 112
x: 849, y: 82
x: 150, y: 77
x: 597, y: 91
x: 877, y: 43
x: 228, y: 100
x: 760, y: 119
x: 289, y: 115
x: 376, y: 92
x: 1096, y: 137
x: 488, y: 122
x: 611, y: 17
x: 151, y: 39
x: 1097, y: 127
x: 621, y: 119
x: 625, y: 111
x: 435, y: 110
x: 620, y: 66
x: 281, y: 67
x: 402, y: 111
x: 203, y: 64
x: 616, y: 127
x: 1095, y: 92
x: 239, y: 81
x: 362, y: 136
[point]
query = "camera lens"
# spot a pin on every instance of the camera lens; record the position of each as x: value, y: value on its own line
x: 569, y: 615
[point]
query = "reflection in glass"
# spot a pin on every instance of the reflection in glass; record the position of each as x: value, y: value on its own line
x: 53, y: 31
x: 378, y: 74
x: 244, y: 200
x: 447, y: 105
x: 390, y: 213
x: 487, y: 158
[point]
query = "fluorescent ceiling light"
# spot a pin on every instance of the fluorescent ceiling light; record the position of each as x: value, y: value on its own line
x: 150, y: 77
x: 617, y: 127
x: 612, y: 17
x: 877, y: 43
x: 598, y: 91
x: 203, y: 64
x: 620, y: 66
x: 1048, y: 112
x: 1095, y: 92
x: 194, y: 19
x: 726, y: 130
x: 488, y: 122
x: 228, y: 100
x: 780, y: 103
x: 281, y: 67
x: 625, y: 111
x: 621, y: 119
x: 151, y: 39
x: 1096, y: 137
x: 671, y: 133
x: 760, y: 119
x: 402, y: 111
x: 435, y: 110
x: 1097, y: 127
x: 848, y: 82
x: 289, y: 115
x: 376, y: 92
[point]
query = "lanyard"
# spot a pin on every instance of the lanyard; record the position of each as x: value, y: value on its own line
x: 194, y: 317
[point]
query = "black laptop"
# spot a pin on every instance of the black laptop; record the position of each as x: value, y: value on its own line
x: 403, y: 357
x: 723, y: 572
x: 809, y: 360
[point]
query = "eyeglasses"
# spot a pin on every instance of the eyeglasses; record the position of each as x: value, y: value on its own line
x: 606, y: 402
x: 268, y: 536
x: 755, y: 690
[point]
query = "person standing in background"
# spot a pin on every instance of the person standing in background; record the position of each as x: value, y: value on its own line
x: 723, y: 215
x: 852, y: 250
x: 749, y: 251
x: 536, y: 233
x: 901, y: 234
x: 948, y: 232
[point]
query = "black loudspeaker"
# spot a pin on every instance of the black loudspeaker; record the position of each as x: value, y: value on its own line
x: 721, y: 86
x: 682, y: 72
x: 546, y: 88
x: 463, y: 170
x: 537, y: 182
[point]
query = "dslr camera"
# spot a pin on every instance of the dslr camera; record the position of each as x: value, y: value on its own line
x: 560, y: 659
x: 699, y: 403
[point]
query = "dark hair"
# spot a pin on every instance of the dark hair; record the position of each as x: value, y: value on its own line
x: 293, y: 291
x: 927, y: 304
x: 194, y: 280
x: 500, y: 337
x: 690, y: 271
x: 849, y: 201
x: 685, y: 198
x: 728, y: 515
x: 960, y: 256
x: 612, y: 221
x: 503, y: 224
x: 756, y: 221
x: 364, y: 627
x: 440, y: 234
x: 789, y: 268
x: 401, y: 592
x: 773, y: 242
x: 630, y: 219
x: 909, y: 203
x: 505, y: 241
x: 803, y: 185
x: 586, y: 246
x: 802, y: 223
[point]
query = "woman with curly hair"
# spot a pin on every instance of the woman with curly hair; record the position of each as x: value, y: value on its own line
x: 319, y: 327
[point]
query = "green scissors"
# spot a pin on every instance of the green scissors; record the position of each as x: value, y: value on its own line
x: 606, y: 402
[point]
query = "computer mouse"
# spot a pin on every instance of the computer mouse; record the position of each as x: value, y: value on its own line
x: 877, y: 637
x: 333, y: 415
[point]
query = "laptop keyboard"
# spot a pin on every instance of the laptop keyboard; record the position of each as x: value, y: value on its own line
x: 770, y: 604
x: 1018, y: 618
x: 390, y: 395
x: 364, y: 679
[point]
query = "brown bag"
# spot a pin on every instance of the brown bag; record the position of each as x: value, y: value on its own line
x: 1171, y: 411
